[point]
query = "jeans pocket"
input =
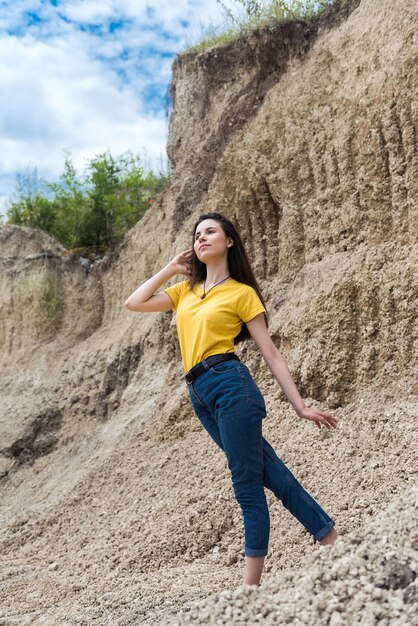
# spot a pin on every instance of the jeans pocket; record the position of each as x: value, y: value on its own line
x: 225, y: 366
x: 197, y: 403
x: 254, y: 396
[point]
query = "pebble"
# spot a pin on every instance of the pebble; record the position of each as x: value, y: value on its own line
x: 336, y: 619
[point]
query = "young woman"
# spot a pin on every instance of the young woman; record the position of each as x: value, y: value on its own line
x: 218, y: 305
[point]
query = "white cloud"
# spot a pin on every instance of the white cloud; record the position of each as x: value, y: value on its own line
x: 91, y: 11
x: 67, y: 85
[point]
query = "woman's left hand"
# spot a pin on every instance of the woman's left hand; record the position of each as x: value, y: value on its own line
x: 319, y: 417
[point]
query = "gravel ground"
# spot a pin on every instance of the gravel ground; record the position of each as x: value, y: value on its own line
x: 366, y: 578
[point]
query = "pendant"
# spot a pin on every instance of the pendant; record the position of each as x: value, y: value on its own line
x: 204, y: 296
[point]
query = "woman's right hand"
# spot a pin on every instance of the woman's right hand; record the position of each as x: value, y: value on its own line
x: 182, y: 263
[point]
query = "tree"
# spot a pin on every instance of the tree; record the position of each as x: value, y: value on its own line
x: 31, y: 207
x: 103, y: 180
x: 69, y: 205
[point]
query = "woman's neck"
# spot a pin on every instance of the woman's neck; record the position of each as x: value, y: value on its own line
x: 215, y: 273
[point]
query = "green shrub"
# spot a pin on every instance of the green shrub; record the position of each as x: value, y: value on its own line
x: 89, y: 213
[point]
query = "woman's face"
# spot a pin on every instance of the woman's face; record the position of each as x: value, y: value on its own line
x: 210, y: 241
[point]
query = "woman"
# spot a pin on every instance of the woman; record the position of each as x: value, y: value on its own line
x: 218, y: 305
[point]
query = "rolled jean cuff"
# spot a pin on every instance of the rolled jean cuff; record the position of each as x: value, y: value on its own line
x: 251, y: 552
x: 324, y: 531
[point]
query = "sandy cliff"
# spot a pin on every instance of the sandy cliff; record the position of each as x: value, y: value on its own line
x: 116, y: 506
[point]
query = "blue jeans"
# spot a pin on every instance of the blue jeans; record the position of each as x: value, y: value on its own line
x: 231, y: 408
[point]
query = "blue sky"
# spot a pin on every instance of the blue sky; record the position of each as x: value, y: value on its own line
x: 89, y: 75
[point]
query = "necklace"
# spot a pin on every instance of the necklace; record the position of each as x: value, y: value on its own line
x: 205, y: 293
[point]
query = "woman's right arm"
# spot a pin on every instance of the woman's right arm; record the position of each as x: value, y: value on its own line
x: 144, y: 298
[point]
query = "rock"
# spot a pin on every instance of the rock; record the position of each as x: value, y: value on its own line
x: 396, y: 575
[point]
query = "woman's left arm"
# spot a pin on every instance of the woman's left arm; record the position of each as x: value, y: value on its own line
x: 259, y: 332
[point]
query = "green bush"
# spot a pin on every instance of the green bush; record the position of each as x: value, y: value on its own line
x: 91, y: 213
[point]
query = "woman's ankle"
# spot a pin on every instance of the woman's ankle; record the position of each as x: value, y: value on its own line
x: 253, y: 570
x: 330, y: 538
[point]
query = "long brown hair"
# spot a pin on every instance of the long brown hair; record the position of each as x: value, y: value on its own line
x: 238, y: 264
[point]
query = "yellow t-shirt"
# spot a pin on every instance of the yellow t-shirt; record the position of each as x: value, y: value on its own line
x: 208, y: 326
